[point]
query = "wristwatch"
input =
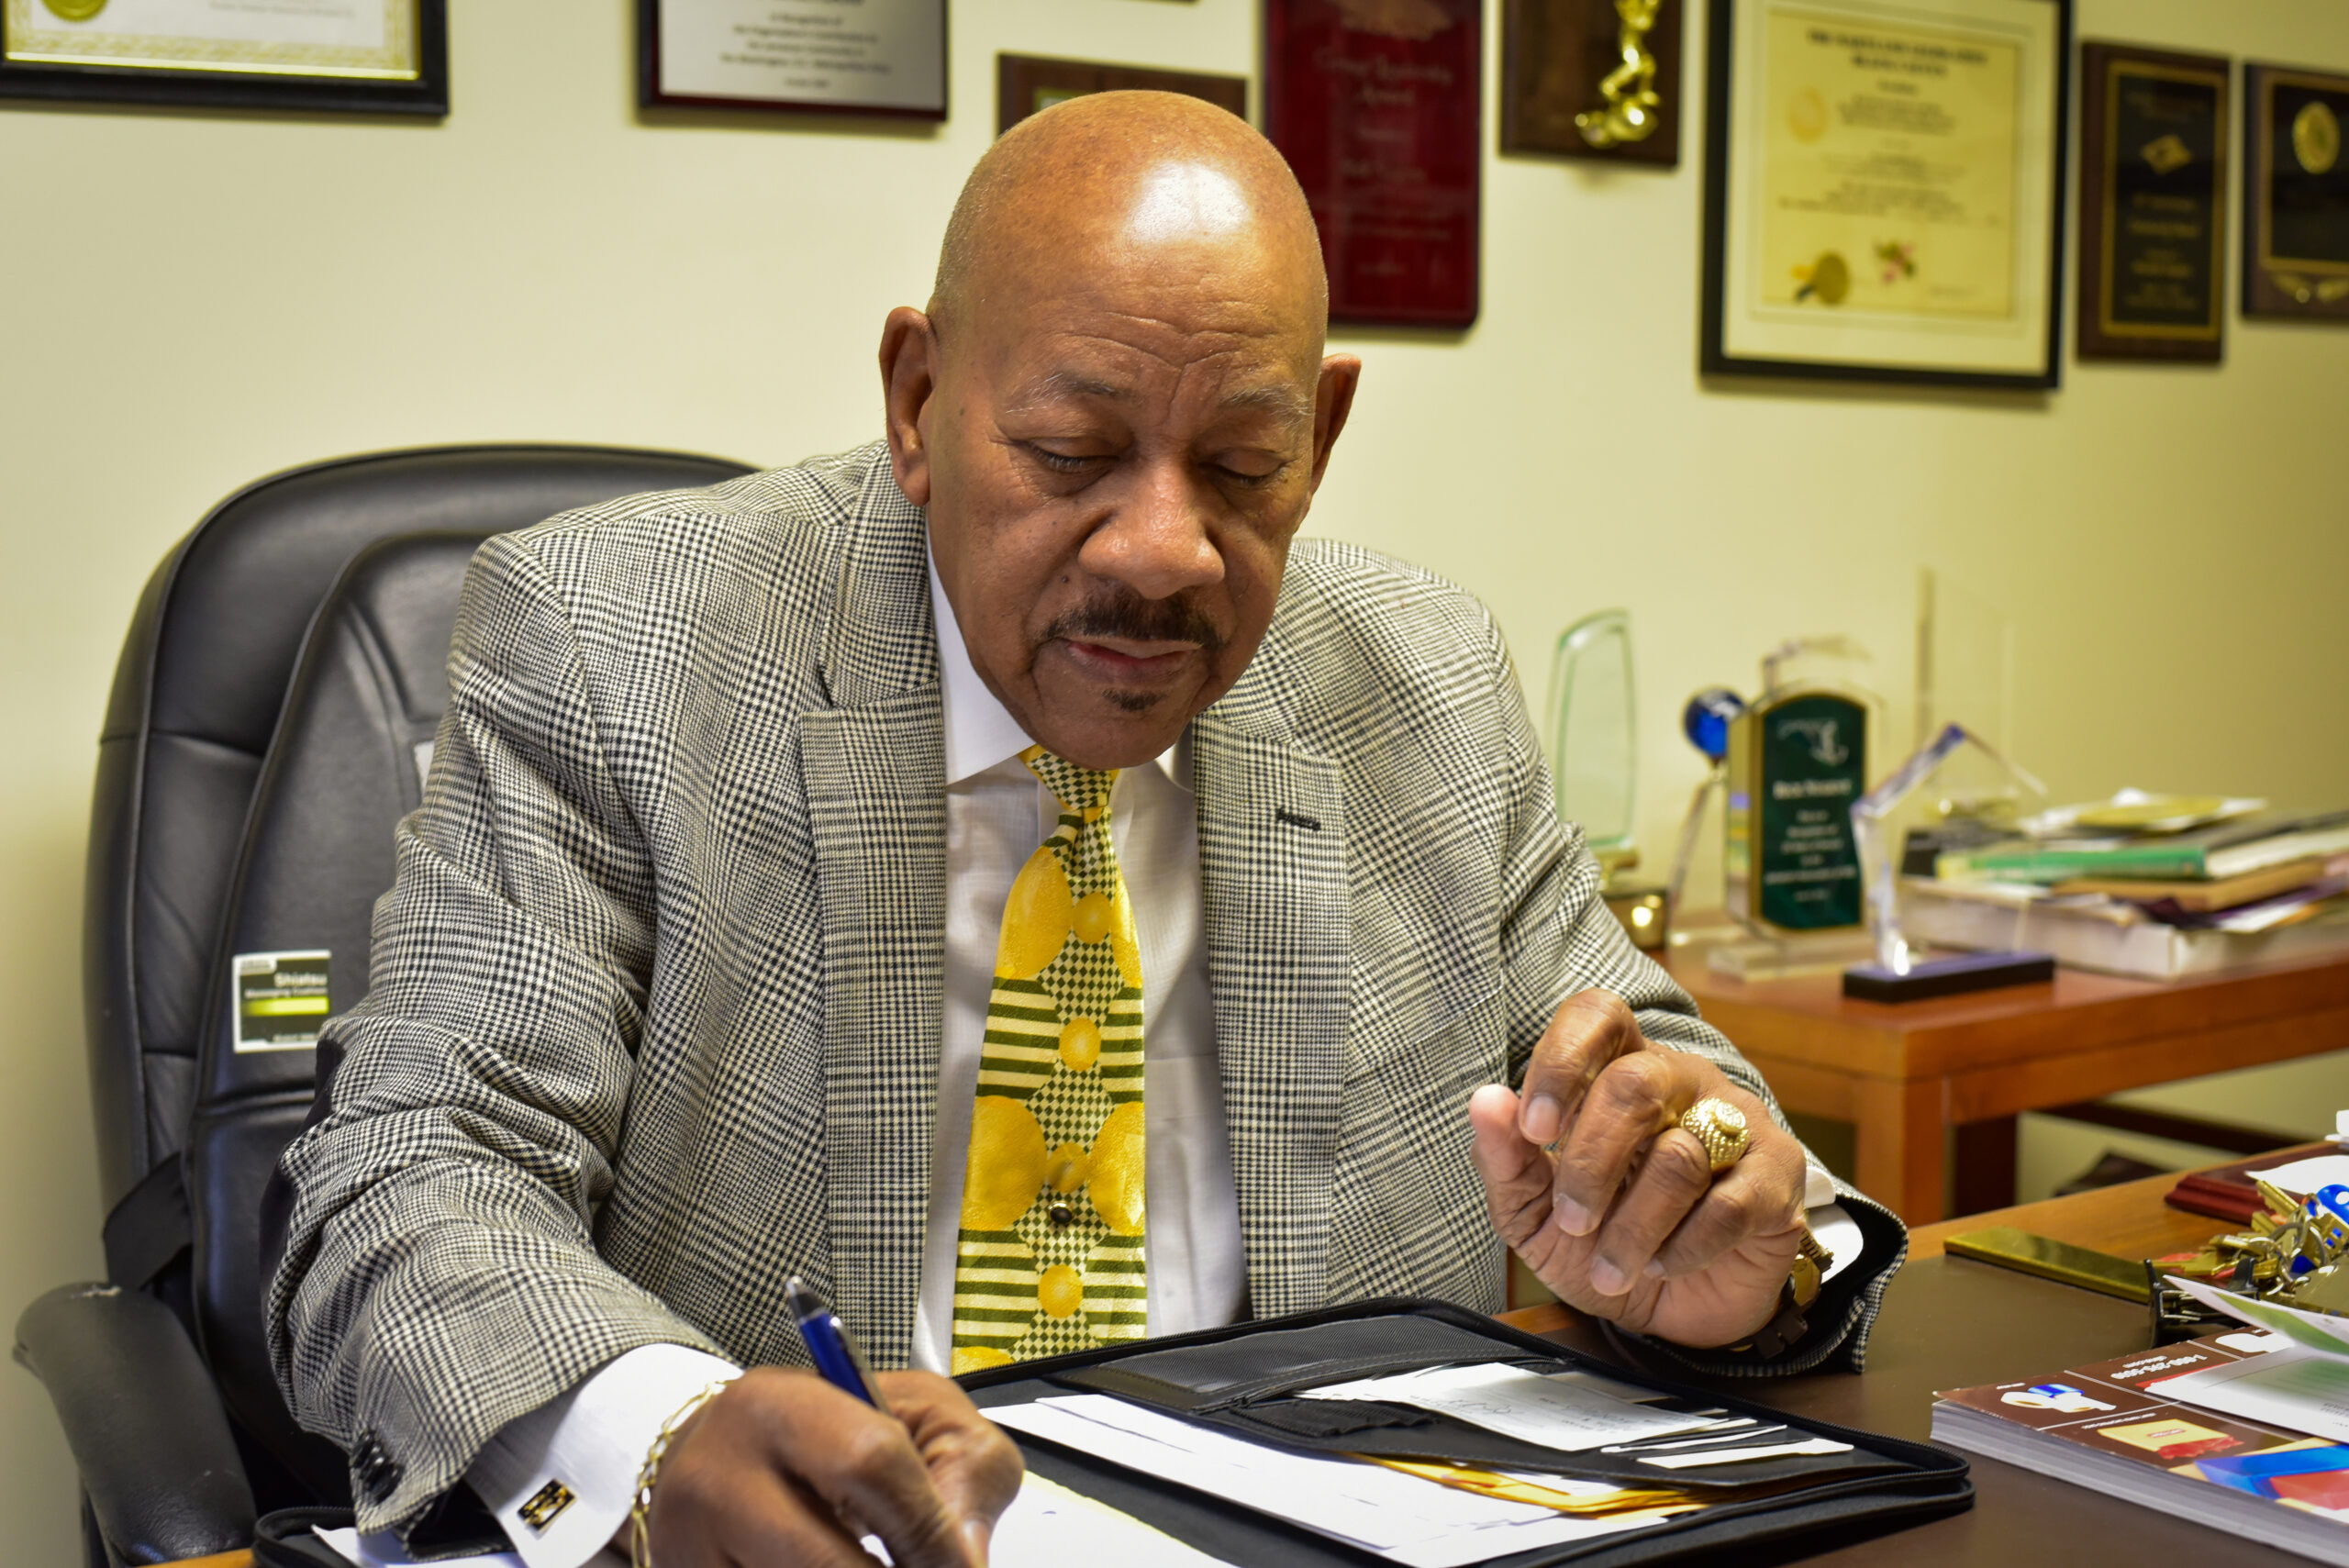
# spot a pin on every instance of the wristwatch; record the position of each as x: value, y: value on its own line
x: 1781, y: 1333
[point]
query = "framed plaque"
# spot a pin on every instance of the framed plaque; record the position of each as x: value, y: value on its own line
x: 2296, y: 194
x: 1374, y: 103
x: 2152, y: 204
x: 1024, y: 84
x: 1554, y: 54
x: 1882, y: 181
x: 376, y: 57
x: 875, y: 57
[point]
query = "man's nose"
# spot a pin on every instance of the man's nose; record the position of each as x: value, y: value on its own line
x: 1157, y: 541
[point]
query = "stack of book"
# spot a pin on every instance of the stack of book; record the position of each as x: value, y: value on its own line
x: 2155, y: 886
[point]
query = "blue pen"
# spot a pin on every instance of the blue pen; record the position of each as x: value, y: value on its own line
x: 838, y: 1357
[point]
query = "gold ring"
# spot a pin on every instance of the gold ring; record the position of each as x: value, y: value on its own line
x: 1720, y: 1127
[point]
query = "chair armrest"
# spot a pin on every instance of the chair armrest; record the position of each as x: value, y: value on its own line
x: 143, y: 1419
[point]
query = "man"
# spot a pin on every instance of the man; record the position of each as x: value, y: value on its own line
x: 724, y: 948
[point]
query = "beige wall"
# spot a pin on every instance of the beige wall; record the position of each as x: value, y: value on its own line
x: 196, y: 300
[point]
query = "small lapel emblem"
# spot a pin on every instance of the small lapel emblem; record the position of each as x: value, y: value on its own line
x: 1297, y: 819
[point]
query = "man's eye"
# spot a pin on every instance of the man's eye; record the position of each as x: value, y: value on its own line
x: 1060, y: 462
x: 1252, y: 473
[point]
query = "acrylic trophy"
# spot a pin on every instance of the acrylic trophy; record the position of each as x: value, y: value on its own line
x: 1594, y: 760
x: 1899, y: 974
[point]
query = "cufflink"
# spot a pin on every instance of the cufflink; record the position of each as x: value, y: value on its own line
x: 545, y: 1506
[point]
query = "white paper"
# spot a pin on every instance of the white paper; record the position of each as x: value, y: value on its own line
x: 2305, y: 1390
x: 2302, y: 1178
x: 1741, y: 1455
x: 1406, y: 1520
x: 1518, y: 1404
x: 1048, y: 1526
x: 2319, y: 1331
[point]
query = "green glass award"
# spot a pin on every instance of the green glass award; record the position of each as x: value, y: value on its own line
x: 1797, y: 760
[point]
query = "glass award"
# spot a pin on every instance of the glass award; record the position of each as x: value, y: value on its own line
x: 1879, y: 822
x: 1595, y: 758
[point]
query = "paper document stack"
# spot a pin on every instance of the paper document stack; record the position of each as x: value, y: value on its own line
x: 1422, y: 1513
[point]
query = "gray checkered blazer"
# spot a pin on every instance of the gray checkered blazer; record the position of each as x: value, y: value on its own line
x: 657, y: 992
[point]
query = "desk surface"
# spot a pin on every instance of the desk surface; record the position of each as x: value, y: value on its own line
x: 1950, y: 1323
x: 1907, y: 1074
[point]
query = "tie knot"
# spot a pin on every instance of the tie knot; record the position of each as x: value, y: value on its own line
x: 1078, y: 789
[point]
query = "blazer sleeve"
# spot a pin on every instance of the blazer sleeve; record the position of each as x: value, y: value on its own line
x: 1559, y: 938
x: 439, y: 1275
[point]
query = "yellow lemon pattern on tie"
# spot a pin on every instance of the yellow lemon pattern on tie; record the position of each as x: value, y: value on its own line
x: 1050, y: 1257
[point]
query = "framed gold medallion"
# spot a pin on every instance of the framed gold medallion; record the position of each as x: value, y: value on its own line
x: 351, y: 56
x: 1883, y: 190
x: 2296, y: 194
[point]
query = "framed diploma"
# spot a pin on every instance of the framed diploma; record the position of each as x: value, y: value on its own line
x: 1374, y: 104
x: 376, y: 57
x: 1882, y: 181
x: 2152, y: 204
x: 1026, y: 84
x: 2296, y: 194
x: 870, y: 57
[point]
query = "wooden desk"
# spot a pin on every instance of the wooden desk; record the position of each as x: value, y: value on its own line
x: 1908, y: 1076
x: 1954, y: 1323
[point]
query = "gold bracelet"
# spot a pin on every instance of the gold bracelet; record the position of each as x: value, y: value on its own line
x: 640, y: 1516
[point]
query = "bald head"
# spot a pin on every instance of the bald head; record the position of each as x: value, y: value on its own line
x: 1153, y: 178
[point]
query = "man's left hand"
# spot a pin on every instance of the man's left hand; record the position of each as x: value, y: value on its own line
x: 1590, y: 1179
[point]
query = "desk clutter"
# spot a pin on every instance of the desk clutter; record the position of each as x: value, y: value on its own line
x: 2154, y: 886
x: 1424, y: 1435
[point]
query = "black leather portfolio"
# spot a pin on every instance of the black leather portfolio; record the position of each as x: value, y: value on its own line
x: 1244, y: 1379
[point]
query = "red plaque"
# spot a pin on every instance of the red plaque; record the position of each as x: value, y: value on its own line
x: 1374, y: 104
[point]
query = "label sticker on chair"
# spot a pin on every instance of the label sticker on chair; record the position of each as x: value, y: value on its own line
x: 281, y: 1000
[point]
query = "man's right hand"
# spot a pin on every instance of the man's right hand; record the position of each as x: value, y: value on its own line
x: 784, y: 1468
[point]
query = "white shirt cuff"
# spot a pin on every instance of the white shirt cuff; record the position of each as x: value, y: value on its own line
x: 589, y: 1442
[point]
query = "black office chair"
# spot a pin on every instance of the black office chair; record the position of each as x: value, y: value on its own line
x: 272, y: 720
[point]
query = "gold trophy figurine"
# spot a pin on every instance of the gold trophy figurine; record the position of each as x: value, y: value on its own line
x: 1630, y: 113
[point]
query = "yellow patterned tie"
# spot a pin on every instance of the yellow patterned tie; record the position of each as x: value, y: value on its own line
x: 1050, y: 1257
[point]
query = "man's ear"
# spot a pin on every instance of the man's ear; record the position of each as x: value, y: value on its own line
x: 1333, y: 399
x: 909, y: 377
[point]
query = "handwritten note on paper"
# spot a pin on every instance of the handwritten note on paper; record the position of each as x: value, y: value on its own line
x: 1518, y: 1404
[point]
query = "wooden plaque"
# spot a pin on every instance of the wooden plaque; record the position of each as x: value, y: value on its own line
x: 1553, y: 55
x: 2152, y: 204
x: 1024, y: 84
x: 2296, y: 194
x: 1374, y: 104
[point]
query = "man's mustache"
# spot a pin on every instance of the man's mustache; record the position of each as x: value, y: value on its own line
x: 1136, y: 619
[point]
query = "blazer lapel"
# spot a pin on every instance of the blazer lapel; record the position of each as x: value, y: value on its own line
x: 1273, y: 876
x: 875, y: 770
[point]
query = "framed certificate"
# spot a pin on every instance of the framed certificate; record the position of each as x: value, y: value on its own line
x: 363, y: 56
x: 1882, y: 190
x: 2152, y: 204
x: 873, y: 57
x: 2296, y: 194
x: 1374, y: 104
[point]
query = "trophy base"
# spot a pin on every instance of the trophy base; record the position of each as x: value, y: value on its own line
x: 1948, y: 976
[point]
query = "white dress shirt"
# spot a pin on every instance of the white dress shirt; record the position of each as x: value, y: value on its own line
x: 594, y: 1439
